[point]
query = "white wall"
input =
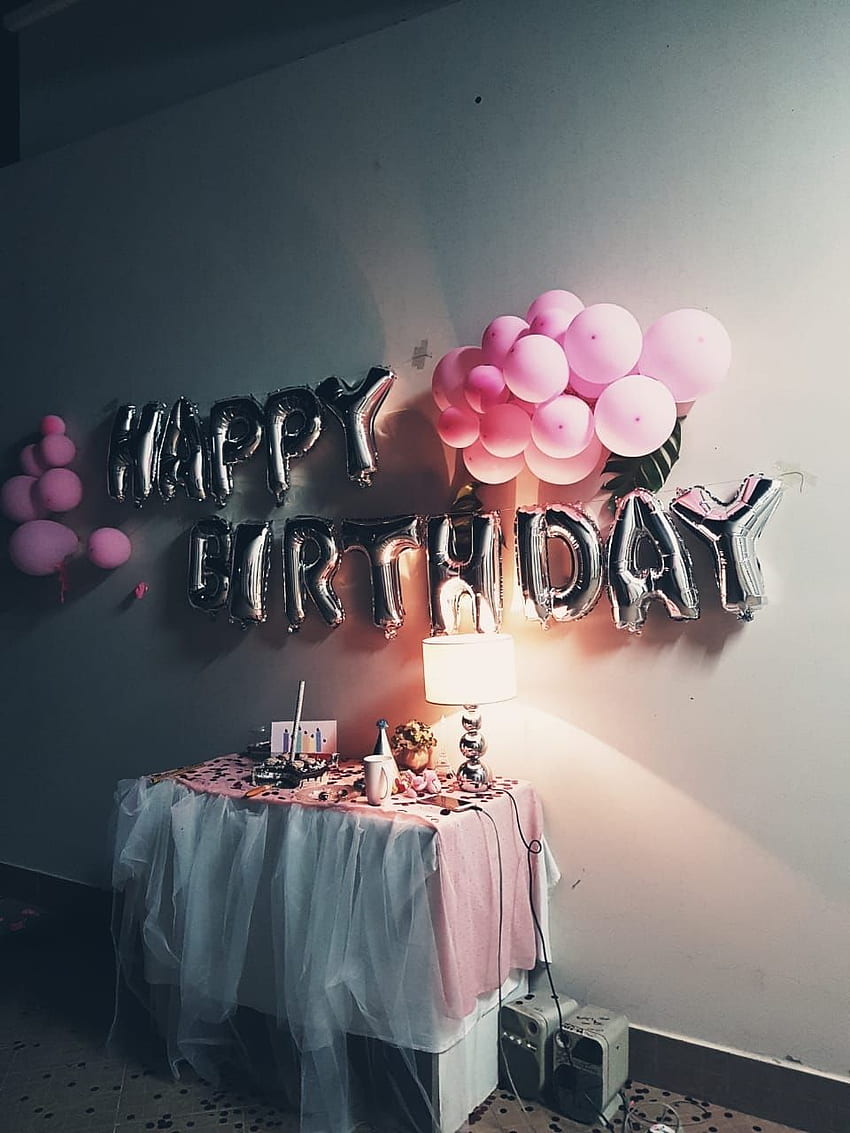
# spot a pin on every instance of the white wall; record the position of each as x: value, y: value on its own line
x: 332, y: 214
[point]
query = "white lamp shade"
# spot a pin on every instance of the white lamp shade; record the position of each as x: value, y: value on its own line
x: 469, y: 668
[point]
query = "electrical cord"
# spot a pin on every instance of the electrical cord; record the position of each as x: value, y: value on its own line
x: 534, y: 847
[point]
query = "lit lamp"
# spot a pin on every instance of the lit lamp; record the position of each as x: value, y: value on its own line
x: 470, y: 669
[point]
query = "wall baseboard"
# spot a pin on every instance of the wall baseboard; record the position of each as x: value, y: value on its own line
x: 776, y: 1091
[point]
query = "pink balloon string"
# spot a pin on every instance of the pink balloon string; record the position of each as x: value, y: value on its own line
x: 62, y: 571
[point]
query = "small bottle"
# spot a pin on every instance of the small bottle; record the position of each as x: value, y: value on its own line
x: 383, y: 747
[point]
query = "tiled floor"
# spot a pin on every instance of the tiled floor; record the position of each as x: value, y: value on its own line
x: 55, y: 1009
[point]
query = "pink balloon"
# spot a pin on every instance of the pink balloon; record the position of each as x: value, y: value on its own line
x: 485, y: 387
x: 18, y: 501
x: 458, y: 427
x: 589, y: 391
x: 505, y: 430
x: 51, y: 424
x: 552, y: 322
x: 31, y: 461
x: 108, y: 548
x: 530, y: 407
x: 536, y: 368
x: 56, y: 450
x: 634, y: 415
x: 500, y: 336
x: 489, y: 469
x: 450, y: 374
x: 562, y: 427
x: 59, y: 489
x: 41, y: 546
x: 689, y: 350
x: 564, y: 470
x: 603, y: 342
x: 562, y: 300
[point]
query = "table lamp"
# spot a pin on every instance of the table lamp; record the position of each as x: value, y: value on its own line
x: 470, y: 669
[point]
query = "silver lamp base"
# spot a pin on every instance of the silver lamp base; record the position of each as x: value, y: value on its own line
x: 473, y: 775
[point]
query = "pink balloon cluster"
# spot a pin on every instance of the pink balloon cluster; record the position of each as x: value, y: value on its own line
x: 558, y: 390
x: 39, y: 546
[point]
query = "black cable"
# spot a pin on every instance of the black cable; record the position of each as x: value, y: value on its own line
x: 534, y: 847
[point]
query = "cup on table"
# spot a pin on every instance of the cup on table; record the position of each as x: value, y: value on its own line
x: 379, y: 784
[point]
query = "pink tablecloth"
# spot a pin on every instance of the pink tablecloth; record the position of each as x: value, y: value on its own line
x: 473, y: 891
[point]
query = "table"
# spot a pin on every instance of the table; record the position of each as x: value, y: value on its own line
x: 332, y: 919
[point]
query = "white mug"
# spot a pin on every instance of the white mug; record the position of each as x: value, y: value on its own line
x: 379, y: 785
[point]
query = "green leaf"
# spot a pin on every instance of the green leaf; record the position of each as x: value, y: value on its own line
x: 650, y: 471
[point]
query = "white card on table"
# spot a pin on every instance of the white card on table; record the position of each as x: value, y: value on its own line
x: 317, y: 737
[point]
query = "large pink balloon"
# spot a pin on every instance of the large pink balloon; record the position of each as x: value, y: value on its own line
x: 450, y: 375
x: 499, y: 337
x: 56, y: 450
x: 458, y: 427
x: 59, y: 489
x: 536, y: 368
x: 108, y: 548
x: 562, y: 300
x: 563, y: 426
x: 485, y: 387
x: 52, y: 424
x: 31, y: 462
x: 689, y: 350
x: 489, y: 469
x: 18, y: 501
x: 505, y: 430
x: 634, y: 415
x: 41, y: 546
x: 603, y: 342
x: 563, y: 470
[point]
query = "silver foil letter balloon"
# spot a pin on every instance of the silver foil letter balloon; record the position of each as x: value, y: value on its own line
x: 731, y: 529
x: 183, y: 457
x: 465, y: 561
x: 133, y: 456
x: 355, y: 407
x: 641, y: 520
x: 236, y: 432
x: 208, y: 582
x: 535, y: 528
x: 249, y: 575
x: 293, y: 425
x: 311, y: 557
x: 383, y: 541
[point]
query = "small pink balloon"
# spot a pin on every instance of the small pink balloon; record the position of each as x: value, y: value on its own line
x: 505, y: 430
x: 564, y: 470
x: 530, y: 407
x: 489, y: 469
x: 552, y: 322
x: 52, y: 425
x: 18, y: 500
x: 485, y: 387
x: 500, y: 336
x: 31, y: 461
x: 59, y: 489
x: 108, y: 548
x: 56, y: 450
x: 634, y: 415
x: 562, y: 427
x: 689, y: 351
x: 603, y: 342
x: 458, y: 427
x: 589, y: 391
x: 536, y: 369
x: 447, y: 384
x: 41, y: 546
x: 562, y: 300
